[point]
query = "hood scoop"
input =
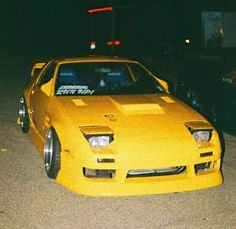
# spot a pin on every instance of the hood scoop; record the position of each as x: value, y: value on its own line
x: 137, y: 106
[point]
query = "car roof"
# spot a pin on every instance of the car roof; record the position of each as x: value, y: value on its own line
x: 94, y: 59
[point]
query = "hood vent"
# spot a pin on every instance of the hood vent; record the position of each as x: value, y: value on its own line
x: 137, y: 106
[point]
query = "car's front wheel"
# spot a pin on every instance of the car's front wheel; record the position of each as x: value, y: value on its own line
x: 52, y: 153
x: 23, y: 115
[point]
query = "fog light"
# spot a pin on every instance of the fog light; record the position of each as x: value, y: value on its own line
x: 99, y: 173
x: 201, y: 167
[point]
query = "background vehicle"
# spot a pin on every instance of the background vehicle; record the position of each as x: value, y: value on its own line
x: 208, y: 85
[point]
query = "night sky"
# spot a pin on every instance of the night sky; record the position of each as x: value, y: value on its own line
x: 62, y: 27
x: 30, y: 27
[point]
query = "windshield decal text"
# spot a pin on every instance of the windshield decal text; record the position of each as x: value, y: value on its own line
x: 74, y: 90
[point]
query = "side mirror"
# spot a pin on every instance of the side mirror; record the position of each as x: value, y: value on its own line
x: 36, y: 69
x: 164, y: 84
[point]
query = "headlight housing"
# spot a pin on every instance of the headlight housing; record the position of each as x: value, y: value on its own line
x: 96, y: 141
x: 98, y: 136
x: 201, y: 132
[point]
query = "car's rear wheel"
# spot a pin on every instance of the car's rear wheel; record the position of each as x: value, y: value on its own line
x: 52, y: 154
x: 23, y: 115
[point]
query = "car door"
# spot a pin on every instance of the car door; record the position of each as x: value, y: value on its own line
x: 39, y: 100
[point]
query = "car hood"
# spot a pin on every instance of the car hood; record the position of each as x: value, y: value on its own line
x: 136, y: 116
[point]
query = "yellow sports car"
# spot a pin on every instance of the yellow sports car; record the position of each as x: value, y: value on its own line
x: 106, y: 126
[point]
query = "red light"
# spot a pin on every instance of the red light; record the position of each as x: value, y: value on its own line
x: 116, y: 42
x: 109, y: 43
x: 97, y: 10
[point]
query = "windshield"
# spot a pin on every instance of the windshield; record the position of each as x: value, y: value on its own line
x: 104, y: 78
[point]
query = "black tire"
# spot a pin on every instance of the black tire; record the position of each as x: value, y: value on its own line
x: 52, y: 154
x: 23, y: 115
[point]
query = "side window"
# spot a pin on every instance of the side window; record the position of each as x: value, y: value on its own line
x: 47, y: 74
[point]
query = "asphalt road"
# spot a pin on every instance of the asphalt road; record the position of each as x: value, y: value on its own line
x: 28, y: 199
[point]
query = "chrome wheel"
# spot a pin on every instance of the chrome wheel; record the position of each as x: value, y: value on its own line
x: 52, y: 154
x: 48, y: 150
x: 23, y: 116
x: 22, y: 112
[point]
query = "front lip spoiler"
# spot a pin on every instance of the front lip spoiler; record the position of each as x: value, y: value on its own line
x: 142, y: 186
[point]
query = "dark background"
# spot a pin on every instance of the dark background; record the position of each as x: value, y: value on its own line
x: 62, y: 27
x: 30, y: 27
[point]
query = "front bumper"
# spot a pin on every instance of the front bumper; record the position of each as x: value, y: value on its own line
x: 143, y: 168
x: 190, y: 179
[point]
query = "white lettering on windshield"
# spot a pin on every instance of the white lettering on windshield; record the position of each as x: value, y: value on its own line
x: 74, y: 89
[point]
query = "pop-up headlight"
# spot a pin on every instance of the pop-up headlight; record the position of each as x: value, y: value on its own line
x: 201, y: 131
x: 100, y: 140
x: 202, y: 136
x: 98, y: 136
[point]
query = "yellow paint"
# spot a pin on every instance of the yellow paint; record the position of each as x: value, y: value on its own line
x: 168, y: 99
x: 90, y: 130
x: 78, y: 102
x: 154, y: 136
